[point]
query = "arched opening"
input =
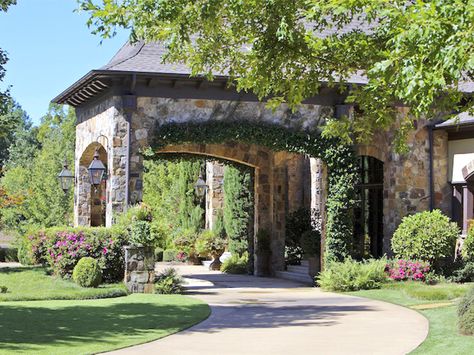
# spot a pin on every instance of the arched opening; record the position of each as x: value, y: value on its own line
x: 92, y: 210
x: 368, y: 215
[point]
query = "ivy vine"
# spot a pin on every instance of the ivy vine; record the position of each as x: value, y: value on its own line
x: 339, y: 157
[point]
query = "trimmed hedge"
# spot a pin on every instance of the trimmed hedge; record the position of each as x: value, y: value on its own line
x: 87, y: 273
x: 426, y: 236
x: 8, y: 255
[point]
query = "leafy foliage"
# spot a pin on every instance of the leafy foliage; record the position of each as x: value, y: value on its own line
x: 169, y: 282
x: 415, y: 52
x: 297, y: 223
x: 61, y: 248
x: 87, y: 273
x: 140, y: 234
x: 210, y: 242
x: 339, y: 157
x: 466, y: 314
x: 468, y: 247
x: 43, y: 202
x: 311, y: 242
x: 238, y: 203
x: 427, y: 236
x: 353, y: 275
x: 236, y: 264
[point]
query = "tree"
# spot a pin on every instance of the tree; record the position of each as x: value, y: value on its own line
x: 238, y: 201
x: 4, y: 96
x: 43, y: 202
x: 413, y: 53
x: 14, y: 121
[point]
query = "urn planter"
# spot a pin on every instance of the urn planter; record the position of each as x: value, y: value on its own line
x: 139, y: 269
x: 216, y: 262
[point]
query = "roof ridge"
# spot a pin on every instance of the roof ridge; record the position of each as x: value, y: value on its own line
x: 139, y: 47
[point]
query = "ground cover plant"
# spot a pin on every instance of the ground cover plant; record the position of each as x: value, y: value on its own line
x: 438, y: 303
x: 168, y: 282
x: 34, y: 283
x: 85, y: 327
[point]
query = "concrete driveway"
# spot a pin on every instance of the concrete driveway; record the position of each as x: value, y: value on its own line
x: 253, y: 315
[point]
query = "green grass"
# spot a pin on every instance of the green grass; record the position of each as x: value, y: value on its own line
x: 91, y: 326
x: 443, y: 337
x: 33, y: 283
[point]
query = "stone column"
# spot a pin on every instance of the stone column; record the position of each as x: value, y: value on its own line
x: 295, y: 185
x: 82, y: 200
x: 215, y: 191
x: 319, y: 187
x: 280, y: 196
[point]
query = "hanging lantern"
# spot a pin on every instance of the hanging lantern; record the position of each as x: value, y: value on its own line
x: 66, y: 178
x: 96, y: 170
x: 200, y: 187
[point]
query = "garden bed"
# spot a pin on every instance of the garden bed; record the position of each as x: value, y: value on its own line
x: 440, y: 309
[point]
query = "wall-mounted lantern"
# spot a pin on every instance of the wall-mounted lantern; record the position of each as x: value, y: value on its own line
x: 66, y: 178
x: 96, y: 170
x: 200, y: 187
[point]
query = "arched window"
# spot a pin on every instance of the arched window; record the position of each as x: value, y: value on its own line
x: 368, y: 216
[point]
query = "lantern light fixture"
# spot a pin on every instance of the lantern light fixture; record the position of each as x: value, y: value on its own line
x: 66, y: 177
x: 200, y: 187
x: 97, y: 170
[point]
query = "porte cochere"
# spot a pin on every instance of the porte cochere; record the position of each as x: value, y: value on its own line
x: 121, y: 106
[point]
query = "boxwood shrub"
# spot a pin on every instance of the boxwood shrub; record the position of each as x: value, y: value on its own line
x: 87, y: 273
x: 426, y: 236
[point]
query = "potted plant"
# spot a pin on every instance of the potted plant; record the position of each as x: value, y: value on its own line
x: 211, y: 243
x: 311, y: 243
x: 185, y: 241
x: 139, y: 255
x: 263, y: 252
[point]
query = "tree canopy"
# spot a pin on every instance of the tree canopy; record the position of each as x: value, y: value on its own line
x: 412, y: 53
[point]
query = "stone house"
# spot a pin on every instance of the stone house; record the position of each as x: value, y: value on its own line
x: 120, y: 105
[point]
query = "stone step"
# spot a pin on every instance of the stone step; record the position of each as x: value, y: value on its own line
x: 295, y: 276
x: 301, y: 269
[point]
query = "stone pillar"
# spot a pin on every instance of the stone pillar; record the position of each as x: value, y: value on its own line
x: 295, y: 185
x: 215, y: 191
x: 139, y: 269
x: 119, y: 157
x: 280, y: 197
x: 319, y: 188
x: 82, y: 200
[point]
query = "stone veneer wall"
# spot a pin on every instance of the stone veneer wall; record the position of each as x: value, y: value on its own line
x: 215, y: 191
x: 406, y: 177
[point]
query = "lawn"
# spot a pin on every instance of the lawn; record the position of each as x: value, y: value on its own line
x: 33, y: 283
x: 91, y: 326
x: 438, y: 304
x: 42, y: 314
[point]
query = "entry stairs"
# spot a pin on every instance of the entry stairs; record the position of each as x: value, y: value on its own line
x: 297, y: 273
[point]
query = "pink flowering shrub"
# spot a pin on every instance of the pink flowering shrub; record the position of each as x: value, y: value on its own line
x: 181, y: 256
x: 403, y: 270
x: 62, y: 248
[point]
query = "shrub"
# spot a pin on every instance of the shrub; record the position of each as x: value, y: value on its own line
x: 169, y: 255
x: 3, y: 289
x: 426, y: 236
x: 25, y: 255
x: 8, y: 254
x: 169, y: 282
x: 465, y: 274
x: 62, y: 248
x: 158, y: 254
x: 351, y: 275
x: 185, y: 241
x: 297, y: 223
x: 467, y: 251
x: 87, y: 273
x: 236, y: 264
x: 311, y: 242
x: 402, y: 270
x: 466, y: 314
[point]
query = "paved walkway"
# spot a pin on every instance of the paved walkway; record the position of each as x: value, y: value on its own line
x: 252, y: 315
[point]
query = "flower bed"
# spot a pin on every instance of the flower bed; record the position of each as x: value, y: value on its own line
x: 403, y: 270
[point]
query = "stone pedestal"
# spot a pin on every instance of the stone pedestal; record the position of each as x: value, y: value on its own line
x: 139, y: 269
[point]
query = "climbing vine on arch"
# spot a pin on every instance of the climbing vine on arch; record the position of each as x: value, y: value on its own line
x: 340, y: 159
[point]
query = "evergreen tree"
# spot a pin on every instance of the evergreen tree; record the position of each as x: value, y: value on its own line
x: 238, y: 201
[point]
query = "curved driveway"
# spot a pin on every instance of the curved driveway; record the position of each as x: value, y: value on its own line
x: 253, y: 315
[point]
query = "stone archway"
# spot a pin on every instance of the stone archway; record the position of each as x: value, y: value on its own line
x: 90, y: 202
x: 270, y: 180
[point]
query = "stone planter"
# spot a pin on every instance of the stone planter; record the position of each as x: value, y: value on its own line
x: 139, y: 269
x: 216, y: 262
x: 314, y: 265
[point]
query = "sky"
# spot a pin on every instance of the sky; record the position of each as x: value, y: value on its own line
x: 49, y: 47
